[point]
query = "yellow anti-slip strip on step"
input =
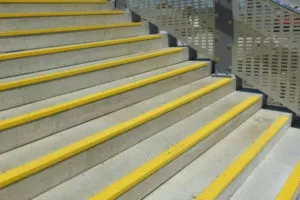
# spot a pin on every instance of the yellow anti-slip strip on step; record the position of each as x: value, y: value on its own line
x: 65, y: 29
x: 86, y: 69
x: 124, y: 184
x: 51, y: 159
x: 54, y: 1
x: 291, y: 186
x: 52, y: 110
x: 60, y: 49
x: 236, y: 168
x: 61, y: 14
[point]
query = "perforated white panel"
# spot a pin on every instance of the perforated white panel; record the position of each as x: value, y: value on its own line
x: 267, y: 50
x: 191, y: 21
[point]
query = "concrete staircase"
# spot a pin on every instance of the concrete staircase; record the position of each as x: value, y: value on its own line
x: 93, y: 106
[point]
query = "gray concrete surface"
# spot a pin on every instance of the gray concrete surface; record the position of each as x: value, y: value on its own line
x: 31, y: 7
x: 46, y: 145
x: 112, y: 147
x: 23, y: 134
x: 14, y: 24
x: 105, y: 173
x: 189, y: 182
x: 85, y: 174
x: 32, y: 64
x: 268, y: 178
x: 36, y: 92
x: 19, y: 43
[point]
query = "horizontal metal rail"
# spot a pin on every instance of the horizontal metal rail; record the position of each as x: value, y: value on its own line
x: 285, y: 6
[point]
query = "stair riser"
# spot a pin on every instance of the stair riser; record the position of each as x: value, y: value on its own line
x: 18, y: 43
x: 297, y: 196
x: 158, y: 178
x: 51, y: 61
x: 28, y: 7
x: 232, y: 188
x: 10, y: 24
x: 37, y: 92
x: 58, y: 173
x: 23, y: 134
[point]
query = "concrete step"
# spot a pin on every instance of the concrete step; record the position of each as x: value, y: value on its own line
x: 201, y: 176
x: 50, y: 37
x: 25, y: 6
x: 149, y: 167
x: 24, y: 62
x: 39, y: 20
x: 270, y: 176
x: 163, y: 111
x: 21, y: 90
x: 291, y: 187
x: 28, y: 123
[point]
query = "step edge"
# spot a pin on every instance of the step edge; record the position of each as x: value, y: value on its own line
x: 124, y: 184
x: 216, y: 188
x: 66, y: 29
x: 85, y: 69
x: 53, y: 1
x: 291, y: 186
x: 60, y: 14
x: 55, y: 109
x: 76, y: 47
x: 23, y: 171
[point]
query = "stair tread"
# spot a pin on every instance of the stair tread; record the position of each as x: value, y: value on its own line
x: 20, y: 40
x: 205, y: 169
x: 89, y: 91
x: 74, y: 47
x: 290, y: 189
x: 268, y: 178
x: 72, y: 131
x: 54, y: 142
x: 105, y: 173
x: 66, y: 29
x: 37, y: 75
x: 60, y: 14
x: 54, y: 1
x: 85, y: 144
x: 56, y: 17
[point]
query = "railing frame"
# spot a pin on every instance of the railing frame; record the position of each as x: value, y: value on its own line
x: 218, y: 31
x: 267, y: 50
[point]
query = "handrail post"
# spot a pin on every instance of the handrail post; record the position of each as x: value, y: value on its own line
x: 224, y: 30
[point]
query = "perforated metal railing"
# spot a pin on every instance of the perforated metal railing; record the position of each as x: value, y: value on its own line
x: 267, y: 49
x: 267, y: 39
x: 190, y: 21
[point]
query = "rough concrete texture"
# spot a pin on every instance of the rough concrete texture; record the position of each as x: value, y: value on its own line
x: 32, y: 64
x: 118, y: 166
x: 37, y: 92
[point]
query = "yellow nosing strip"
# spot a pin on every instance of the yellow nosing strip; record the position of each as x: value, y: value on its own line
x: 291, y: 186
x: 35, y: 115
x: 55, y: 1
x: 124, y: 184
x: 60, y: 49
x: 51, y: 159
x: 86, y: 69
x: 60, y: 14
x: 236, y: 168
x: 65, y: 29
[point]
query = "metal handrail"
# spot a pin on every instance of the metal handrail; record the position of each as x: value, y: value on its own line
x: 285, y: 6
